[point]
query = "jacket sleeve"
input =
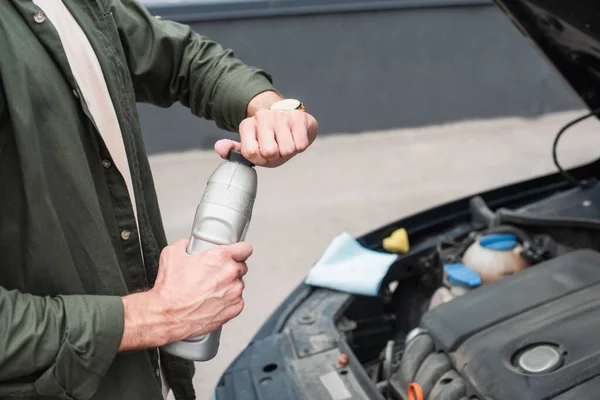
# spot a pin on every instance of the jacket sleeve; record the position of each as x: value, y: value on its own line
x: 169, y: 62
x: 57, y: 347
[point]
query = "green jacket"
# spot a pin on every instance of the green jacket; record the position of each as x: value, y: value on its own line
x: 63, y: 206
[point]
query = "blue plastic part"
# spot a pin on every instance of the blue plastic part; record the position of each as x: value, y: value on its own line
x: 499, y: 242
x: 461, y: 274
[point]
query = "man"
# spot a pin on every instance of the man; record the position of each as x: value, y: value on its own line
x: 85, y: 299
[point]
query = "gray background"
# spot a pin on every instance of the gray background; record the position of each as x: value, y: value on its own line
x: 383, y: 69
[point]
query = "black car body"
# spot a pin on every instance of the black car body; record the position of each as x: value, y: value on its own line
x: 531, y: 335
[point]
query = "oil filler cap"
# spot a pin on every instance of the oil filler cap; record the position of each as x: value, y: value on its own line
x: 539, y: 359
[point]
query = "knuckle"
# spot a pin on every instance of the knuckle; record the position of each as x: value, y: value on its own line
x: 234, y: 310
x: 287, y: 151
x: 232, y: 271
x: 238, y: 289
x: 245, y: 124
x: 169, y: 249
x: 250, y: 152
x: 302, y: 145
x: 239, y: 307
x: 261, y: 114
x: 166, y: 254
x: 301, y: 142
x: 269, y: 151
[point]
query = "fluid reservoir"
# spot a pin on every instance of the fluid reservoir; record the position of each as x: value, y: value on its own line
x: 495, y: 256
x: 458, y: 280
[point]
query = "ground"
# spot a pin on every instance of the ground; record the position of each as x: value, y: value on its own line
x: 356, y: 183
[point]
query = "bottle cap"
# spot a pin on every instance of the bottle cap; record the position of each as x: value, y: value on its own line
x: 236, y: 156
x: 498, y: 242
x: 462, y: 275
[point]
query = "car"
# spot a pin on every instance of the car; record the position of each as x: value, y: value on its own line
x: 497, y: 297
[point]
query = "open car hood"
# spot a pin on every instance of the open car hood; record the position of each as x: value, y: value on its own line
x: 568, y: 33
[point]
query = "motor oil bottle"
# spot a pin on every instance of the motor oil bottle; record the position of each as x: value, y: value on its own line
x: 222, y: 218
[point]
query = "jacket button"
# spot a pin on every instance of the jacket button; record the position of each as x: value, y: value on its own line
x: 106, y: 164
x: 125, y: 235
x: 39, y: 17
x: 75, y: 94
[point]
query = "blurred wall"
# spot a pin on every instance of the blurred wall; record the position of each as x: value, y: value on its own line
x: 373, y: 70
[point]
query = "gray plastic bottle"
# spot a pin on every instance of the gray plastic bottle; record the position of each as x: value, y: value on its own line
x: 222, y: 218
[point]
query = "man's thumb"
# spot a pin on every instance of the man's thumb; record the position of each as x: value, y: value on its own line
x: 223, y: 146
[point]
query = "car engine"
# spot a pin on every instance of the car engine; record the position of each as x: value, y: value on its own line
x: 529, y: 336
x: 508, y: 311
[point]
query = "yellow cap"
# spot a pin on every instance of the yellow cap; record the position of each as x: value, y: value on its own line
x: 397, y: 242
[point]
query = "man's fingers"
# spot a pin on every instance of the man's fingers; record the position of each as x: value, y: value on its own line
x: 270, y: 138
x: 267, y: 144
x: 248, y: 135
x: 233, y: 310
x: 240, y: 252
x: 285, y: 141
x: 300, y: 135
x: 265, y: 127
x: 244, y: 269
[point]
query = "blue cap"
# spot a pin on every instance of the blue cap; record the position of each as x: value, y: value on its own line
x: 461, y: 274
x: 499, y: 242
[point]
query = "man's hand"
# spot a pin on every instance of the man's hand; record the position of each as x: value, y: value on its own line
x: 269, y: 138
x: 193, y: 295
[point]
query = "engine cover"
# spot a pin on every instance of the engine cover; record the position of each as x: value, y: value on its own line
x: 531, y: 336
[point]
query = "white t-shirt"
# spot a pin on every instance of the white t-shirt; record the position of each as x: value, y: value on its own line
x: 90, y: 79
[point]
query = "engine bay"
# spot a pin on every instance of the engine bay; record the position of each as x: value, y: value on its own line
x: 507, y: 309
